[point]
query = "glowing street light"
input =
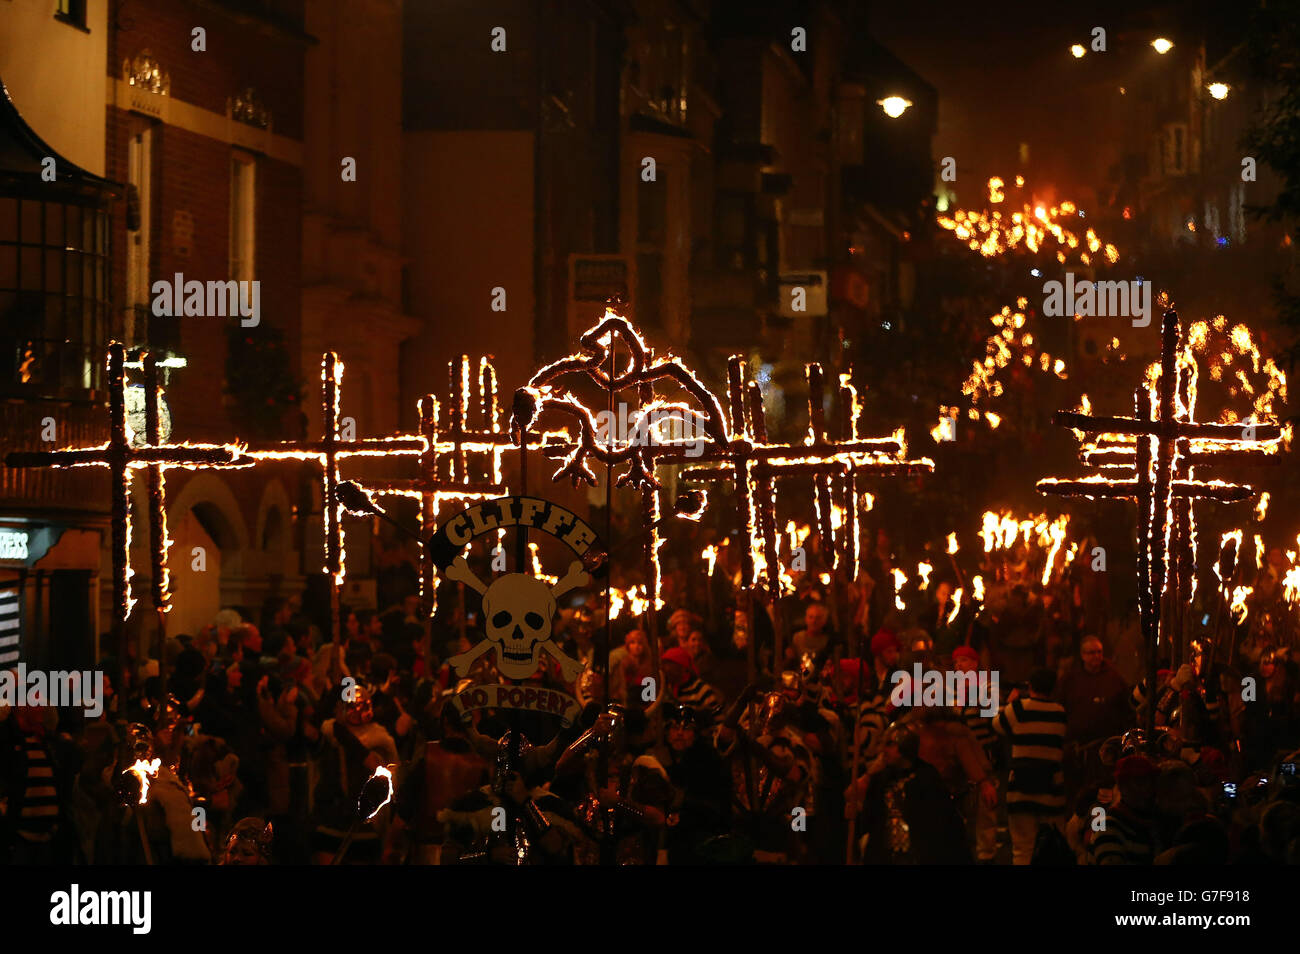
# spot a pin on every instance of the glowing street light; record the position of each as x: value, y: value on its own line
x: 1077, y: 51
x: 894, y: 106
x: 1161, y: 45
x: 1219, y: 90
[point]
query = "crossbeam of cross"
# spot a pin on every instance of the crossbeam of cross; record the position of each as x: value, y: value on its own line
x: 122, y: 456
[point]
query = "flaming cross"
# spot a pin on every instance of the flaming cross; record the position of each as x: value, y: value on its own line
x: 518, y: 611
x: 121, y: 457
x: 835, y: 464
x: 444, y: 463
x: 1163, y: 459
x: 327, y: 452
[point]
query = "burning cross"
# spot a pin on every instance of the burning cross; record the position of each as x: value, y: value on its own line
x: 444, y: 463
x: 121, y: 457
x: 327, y: 452
x: 835, y: 465
x: 1163, y: 458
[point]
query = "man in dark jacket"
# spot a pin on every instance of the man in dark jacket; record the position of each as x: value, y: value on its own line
x: 1095, y: 697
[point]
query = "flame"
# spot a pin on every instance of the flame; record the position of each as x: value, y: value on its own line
x: 381, y: 772
x: 1291, y: 585
x: 710, y: 555
x: 1262, y: 507
x: 924, y: 569
x: 952, y: 542
x: 956, y: 605
x: 978, y: 588
x: 1235, y: 536
x: 144, y: 771
x: 993, y: 232
x: 900, y: 578
x: 1057, y: 532
x: 1238, y: 606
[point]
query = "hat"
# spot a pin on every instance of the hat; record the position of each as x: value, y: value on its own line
x: 884, y: 639
x: 967, y: 651
x: 679, y: 656
x: 1134, y: 766
x: 683, y: 615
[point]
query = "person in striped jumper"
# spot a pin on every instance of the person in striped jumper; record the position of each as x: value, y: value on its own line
x: 686, y: 688
x: 1128, y: 834
x: 874, y: 712
x: 1036, y: 789
x: 29, y: 788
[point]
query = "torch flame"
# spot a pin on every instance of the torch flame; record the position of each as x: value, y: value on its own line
x: 387, y: 776
x: 144, y: 771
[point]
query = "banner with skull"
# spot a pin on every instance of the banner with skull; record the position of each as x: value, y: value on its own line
x: 518, y: 608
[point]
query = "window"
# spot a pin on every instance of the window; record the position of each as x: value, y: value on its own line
x: 72, y: 12
x: 139, y: 215
x: 243, y: 227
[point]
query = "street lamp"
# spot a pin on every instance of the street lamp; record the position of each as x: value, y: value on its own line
x: 1219, y: 90
x: 1077, y: 51
x: 894, y: 106
x: 1161, y: 45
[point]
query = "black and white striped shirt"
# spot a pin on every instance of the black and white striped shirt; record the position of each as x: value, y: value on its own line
x: 1125, y: 840
x: 1036, y: 728
x: 40, y: 812
x: 703, y: 698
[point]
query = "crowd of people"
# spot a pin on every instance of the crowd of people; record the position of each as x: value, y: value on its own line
x: 725, y: 730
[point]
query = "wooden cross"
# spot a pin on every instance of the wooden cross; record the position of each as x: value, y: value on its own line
x: 444, y: 464
x: 328, y: 451
x: 1121, y: 453
x: 1163, y: 461
x: 121, y: 457
x: 836, y: 466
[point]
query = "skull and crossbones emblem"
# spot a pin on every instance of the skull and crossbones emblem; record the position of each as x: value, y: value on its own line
x: 518, y: 610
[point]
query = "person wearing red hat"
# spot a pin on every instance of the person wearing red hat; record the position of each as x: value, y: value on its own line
x: 873, y: 707
x: 683, y: 686
x: 885, y: 650
x: 1126, y: 833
